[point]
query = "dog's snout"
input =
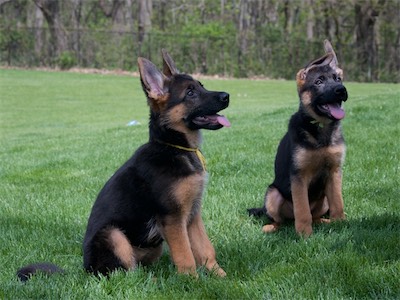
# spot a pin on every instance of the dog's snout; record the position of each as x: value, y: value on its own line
x: 341, y: 92
x: 224, y: 97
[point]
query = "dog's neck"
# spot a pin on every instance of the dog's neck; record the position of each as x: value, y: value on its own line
x: 191, y: 139
x: 316, y: 121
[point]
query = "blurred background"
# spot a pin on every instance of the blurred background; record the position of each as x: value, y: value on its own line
x: 235, y: 38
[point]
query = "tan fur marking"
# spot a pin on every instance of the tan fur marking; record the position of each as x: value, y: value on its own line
x: 174, y: 119
x: 202, y: 248
x: 300, y: 79
x: 147, y: 255
x: 306, y: 99
x: 322, y: 220
x: 339, y: 72
x: 310, y: 161
x: 333, y: 192
x: 121, y: 248
x: 319, y: 208
x: 176, y: 235
x: 278, y: 207
x: 269, y: 228
x: 301, y: 206
x: 158, y: 102
x: 187, y: 192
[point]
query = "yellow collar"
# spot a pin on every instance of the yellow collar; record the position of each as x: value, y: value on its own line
x: 196, y: 150
x: 315, y: 122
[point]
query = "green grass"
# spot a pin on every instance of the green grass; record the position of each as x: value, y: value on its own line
x: 63, y: 135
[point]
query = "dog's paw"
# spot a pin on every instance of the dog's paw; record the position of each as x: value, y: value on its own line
x: 269, y: 228
x: 219, y: 272
x: 321, y: 220
x: 305, y: 233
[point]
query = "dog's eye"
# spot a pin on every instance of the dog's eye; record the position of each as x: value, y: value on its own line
x: 190, y: 93
x: 336, y: 78
x: 318, y: 81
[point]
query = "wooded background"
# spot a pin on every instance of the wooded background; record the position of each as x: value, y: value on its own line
x: 240, y: 38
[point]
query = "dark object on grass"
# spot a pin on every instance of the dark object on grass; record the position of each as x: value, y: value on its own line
x: 48, y: 268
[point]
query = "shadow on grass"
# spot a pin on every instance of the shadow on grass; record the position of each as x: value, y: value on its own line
x: 376, y: 239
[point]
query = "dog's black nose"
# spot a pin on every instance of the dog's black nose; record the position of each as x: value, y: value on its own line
x: 223, y: 97
x: 340, y: 90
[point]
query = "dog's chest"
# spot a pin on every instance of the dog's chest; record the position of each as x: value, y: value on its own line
x: 314, y: 161
x: 187, y: 193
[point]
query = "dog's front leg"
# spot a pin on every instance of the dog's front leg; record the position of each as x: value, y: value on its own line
x: 301, y: 207
x: 176, y: 235
x: 334, y: 194
x: 202, y: 248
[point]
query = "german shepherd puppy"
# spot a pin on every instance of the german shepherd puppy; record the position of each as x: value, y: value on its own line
x: 308, y: 173
x: 156, y: 195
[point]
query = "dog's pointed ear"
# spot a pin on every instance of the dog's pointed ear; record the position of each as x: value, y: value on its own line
x: 169, y: 68
x: 334, y: 64
x: 329, y: 50
x: 153, y: 83
x: 152, y: 79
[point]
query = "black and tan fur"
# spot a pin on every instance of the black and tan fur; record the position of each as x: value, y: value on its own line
x: 308, y: 163
x: 156, y: 195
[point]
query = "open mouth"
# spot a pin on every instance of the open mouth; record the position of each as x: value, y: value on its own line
x: 334, y: 110
x: 209, y: 121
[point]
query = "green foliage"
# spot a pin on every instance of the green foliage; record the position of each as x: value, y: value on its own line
x: 64, y: 134
x: 66, y: 60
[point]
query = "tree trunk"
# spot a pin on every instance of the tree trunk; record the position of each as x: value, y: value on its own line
x: 76, y: 28
x: 366, y: 14
x: 310, y: 20
x: 51, y: 12
x: 145, y: 12
x: 243, y: 25
x: 38, y: 28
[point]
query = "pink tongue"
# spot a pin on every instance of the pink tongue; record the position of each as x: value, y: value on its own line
x: 336, y: 111
x: 223, y: 121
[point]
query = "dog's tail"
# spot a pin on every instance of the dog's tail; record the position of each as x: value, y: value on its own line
x: 25, y: 273
x: 260, y: 211
x: 257, y: 211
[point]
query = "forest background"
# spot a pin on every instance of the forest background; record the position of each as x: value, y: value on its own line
x: 235, y: 38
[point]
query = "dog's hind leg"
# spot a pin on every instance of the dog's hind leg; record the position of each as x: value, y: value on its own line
x: 122, y: 248
x: 202, y: 248
x: 277, y: 209
x: 107, y: 250
x: 319, y: 209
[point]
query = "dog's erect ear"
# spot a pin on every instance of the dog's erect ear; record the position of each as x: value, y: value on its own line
x: 302, y: 74
x: 320, y: 62
x: 152, y: 80
x: 329, y: 49
x: 169, y: 65
x: 334, y: 64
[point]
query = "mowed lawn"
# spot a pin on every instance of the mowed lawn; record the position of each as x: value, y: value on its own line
x: 62, y: 135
